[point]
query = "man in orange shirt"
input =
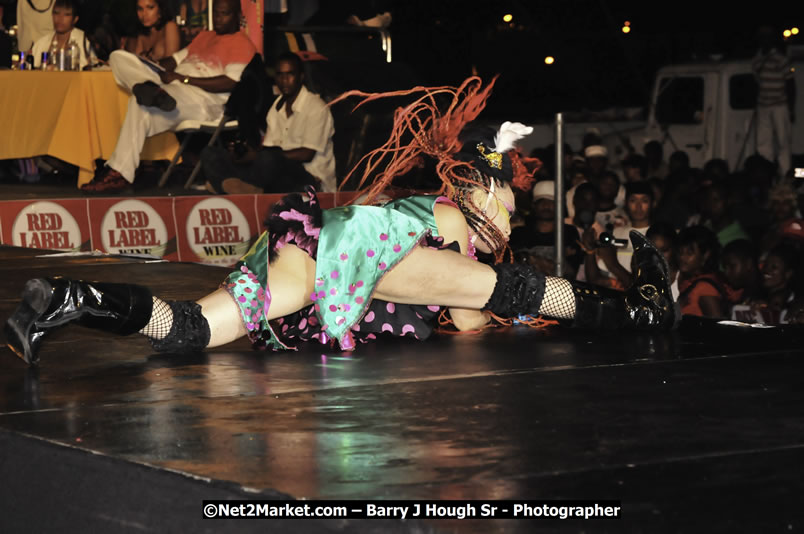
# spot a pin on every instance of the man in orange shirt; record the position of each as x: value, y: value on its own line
x: 195, y: 84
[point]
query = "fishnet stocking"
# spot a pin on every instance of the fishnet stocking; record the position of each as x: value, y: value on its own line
x: 161, y: 320
x: 559, y: 299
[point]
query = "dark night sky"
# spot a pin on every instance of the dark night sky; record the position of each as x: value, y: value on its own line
x: 597, y: 66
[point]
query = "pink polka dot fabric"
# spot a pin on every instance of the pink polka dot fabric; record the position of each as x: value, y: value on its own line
x: 354, y: 248
x: 254, y: 302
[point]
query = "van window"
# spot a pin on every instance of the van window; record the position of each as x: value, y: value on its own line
x: 743, y: 90
x: 680, y: 100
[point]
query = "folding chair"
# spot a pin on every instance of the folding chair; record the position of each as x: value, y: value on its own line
x: 245, y: 111
x: 189, y: 127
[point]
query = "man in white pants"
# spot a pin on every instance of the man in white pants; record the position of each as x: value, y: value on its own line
x: 775, y: 101
x: 195, y: 85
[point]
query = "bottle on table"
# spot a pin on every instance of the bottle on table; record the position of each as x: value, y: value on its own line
x: 53, y: 56
x: 75, y: 64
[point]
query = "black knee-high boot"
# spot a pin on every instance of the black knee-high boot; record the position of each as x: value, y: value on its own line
x: 48, y: 303
x: 647, y: 304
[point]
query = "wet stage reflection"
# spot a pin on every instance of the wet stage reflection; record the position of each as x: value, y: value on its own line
x: 508, y: 414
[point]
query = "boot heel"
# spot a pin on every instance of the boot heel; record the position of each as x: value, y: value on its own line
x: 36, y: 297
x: 37, y: 294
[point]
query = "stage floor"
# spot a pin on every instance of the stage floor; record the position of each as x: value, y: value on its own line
x: 698, y: 430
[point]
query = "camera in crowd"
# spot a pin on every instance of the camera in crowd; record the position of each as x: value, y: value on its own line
x: 607, y: 239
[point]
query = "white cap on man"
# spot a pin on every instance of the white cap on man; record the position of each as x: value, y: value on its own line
x: 544, y: 189
x: 596, y: 151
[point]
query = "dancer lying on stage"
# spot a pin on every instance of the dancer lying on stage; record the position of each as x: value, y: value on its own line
x: 349, y: 273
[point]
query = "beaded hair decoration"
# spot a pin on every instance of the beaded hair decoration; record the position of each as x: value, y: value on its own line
x: 494, y: 159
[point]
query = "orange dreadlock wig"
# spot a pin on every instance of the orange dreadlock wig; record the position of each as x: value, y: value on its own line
x: 466, y: 158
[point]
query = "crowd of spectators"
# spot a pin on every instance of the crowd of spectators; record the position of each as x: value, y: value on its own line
x: 176, y: 70
x: 733, y: 238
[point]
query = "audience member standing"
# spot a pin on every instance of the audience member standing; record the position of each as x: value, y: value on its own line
x: 775, y: 101
x: 34, y: 20
x: 534, y: 242
x: 195, y: 14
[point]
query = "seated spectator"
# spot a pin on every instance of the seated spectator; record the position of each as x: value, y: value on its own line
x: 615, y: 261
x: 5, y: 40
x: 534, y: 241
x: 677, y: 203
x: 195, y: 85
x: 715, y: 170
x: 584, y: 213
x: 716, y: 214
x: 784, y: 216
x: 795, y: 312
x: 158, y: 35
x: 665, y: 238
x: 657, y: 186
x: 760, y: 173
x: 610, y: 213
x: 702, y: 291
x: 679, y: 162
x: 65, y: 15
x: 195, y: 14
x: 98, y: 23
x: 781, y: 278
x: 635, y: 168
x: 741, y: 271
x: 639, y: 208
x: 740, y: 261
x: 297, y: 148
x: 597, y: 165
x: 654, y: 156
x: 547, y: 156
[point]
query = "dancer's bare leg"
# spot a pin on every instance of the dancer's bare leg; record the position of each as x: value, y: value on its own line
x: 447, y: 278
x: 442, y: 277
x: 290, y: 279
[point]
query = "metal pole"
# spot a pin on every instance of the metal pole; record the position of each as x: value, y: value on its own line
x: 559, y: 193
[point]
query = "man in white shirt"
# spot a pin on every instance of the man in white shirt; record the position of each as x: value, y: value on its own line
x: 65, y: 15
x: 297, y: 149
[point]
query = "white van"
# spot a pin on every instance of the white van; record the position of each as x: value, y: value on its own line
x: 707, y: 109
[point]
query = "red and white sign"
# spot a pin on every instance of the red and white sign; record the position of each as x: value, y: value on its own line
x: 46, y: 225
x: 133, y: 227
x: 214, y: 230
x: 217, y: 231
